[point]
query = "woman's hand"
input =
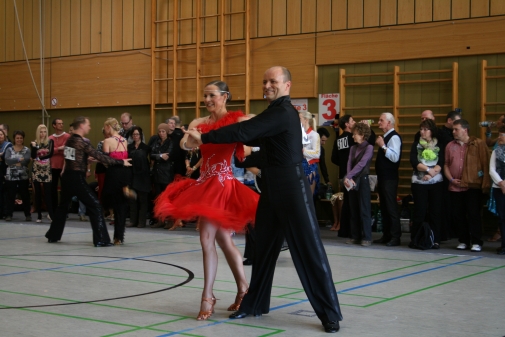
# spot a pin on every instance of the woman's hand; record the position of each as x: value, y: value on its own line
x: 164, y: 156
x: 501, y: 184
x: 127, y: 162
x: 194, y: 139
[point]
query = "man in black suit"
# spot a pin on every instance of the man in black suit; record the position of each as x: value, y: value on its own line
x: 285, y: 208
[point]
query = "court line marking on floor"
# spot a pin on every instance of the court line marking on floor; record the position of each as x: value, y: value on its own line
x: 342, y: 291
x: 135, y: 328
x: 41, y: 236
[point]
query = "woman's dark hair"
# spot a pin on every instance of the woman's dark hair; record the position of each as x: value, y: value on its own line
x: 362, y: 129
x: 430, y: 125
x: 78, y: 121
x: 4, y: 133
x: 223, y: 87
x: 139, y: 129
x: 18, y: 132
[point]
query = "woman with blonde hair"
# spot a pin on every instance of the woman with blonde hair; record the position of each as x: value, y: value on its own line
x: 117, y: 178
x: 42, y: 151
x: 311, y: 148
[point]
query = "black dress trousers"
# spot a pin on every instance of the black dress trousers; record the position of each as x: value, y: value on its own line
x: 286, y: 210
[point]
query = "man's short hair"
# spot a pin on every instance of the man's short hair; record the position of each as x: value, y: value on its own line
x: 452, y: 115
x: 5, y: 127
x: 177, y: 120
x: 55, y: 120
x: 342, y: 121
x: 127, y: 114
x: 464, y: 124
x: 323, y: 132
x: 501, y: 129
x: 389, y: 117
x: 286, y: 73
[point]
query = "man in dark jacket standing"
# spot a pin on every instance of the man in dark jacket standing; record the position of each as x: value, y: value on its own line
x: 285, y: 208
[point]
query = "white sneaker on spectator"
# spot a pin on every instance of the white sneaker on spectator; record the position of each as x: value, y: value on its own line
x: 461, y: 246
x: 476, y: 248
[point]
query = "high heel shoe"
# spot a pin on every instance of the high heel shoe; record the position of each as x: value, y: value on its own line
x: 238, y: 301
x: 204, y: 315
x: 118, y: 242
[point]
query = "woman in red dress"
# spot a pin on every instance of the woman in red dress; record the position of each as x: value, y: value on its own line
x: 222, y: 203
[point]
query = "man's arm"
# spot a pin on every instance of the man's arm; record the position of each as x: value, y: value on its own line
x: 266, y: 124
x: 393, y: 151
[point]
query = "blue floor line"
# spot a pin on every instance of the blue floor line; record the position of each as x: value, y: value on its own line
x: 94, y: 263
x: 339, y: 292
x: 39, y: 236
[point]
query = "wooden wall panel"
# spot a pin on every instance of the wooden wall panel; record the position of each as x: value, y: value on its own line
x: 163, y: 71
x: 265, y: 54
x: 186, y: 27
x: 423, y: 11
x: 117, y: 25
x: 279, y: 25
x: 106, y: 36
x: 16, y: 88
x: 294, y: 16
x: 323, y: 15
x: 388, y: 12
x: 36, y: 28
x: 163, y: 34
x: 3, y: 42
x: 74, y: 27
x: 46, y: 6
x: 68, y: 16
x: 147, y: 21
x: 436, y: 40
x: 338, y: 14
x: 354, y: 14
x: 497, y: 7
x: 139, y: 24
x: 309, y: 11
x: 461, y: 9
x: 210, y: 25
x: 479, y: 8
x: 441, y: 10
x: 18, y: 49
x: 27, y: 27
x: 101, y: 81
x: 128, y: 24
x: 237, y: 21
x: 95, y: 23
x: 55, y: 28
x: 265, y: 18
x: 405, y: 11
x: 371, y: 15
x: 85, y: 27
x: 253, y: 22
x: 211, y: 62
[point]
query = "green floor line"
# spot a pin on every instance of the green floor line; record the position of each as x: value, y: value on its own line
x: 392, y: 270
x: 359, y: 295
x: 135, y: 328
x: 381, y: 258
x: 433, y: 286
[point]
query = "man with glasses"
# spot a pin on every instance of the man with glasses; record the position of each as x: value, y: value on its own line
x: 59, y: 138
x: 127, y: 124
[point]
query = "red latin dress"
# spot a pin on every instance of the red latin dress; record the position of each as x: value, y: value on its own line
x: 216, y: 196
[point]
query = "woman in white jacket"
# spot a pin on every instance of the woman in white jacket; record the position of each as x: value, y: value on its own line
x: 497, y: 173
x: 311, y: 148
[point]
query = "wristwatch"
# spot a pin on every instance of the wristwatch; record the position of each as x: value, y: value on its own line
x: 384, y: 147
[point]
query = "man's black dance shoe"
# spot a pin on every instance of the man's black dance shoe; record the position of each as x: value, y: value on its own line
x: 240, y: 314
x: 331, y: 327
x: 104, y: 244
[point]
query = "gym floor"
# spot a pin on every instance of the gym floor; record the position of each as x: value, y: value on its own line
x: 151, y: 286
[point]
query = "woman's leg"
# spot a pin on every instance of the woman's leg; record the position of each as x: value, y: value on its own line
x: 38, y: 198
x: 48, y: 199
x: 10, y: 189
x: 233, y: 257
x: 208, y: 242
x: 25, y: 196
